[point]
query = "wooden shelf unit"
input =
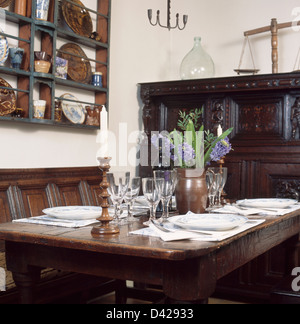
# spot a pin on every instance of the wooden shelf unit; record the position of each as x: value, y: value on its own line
x: 28, y: 80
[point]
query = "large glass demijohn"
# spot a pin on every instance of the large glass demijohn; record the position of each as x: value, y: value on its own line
x: 197, y: 64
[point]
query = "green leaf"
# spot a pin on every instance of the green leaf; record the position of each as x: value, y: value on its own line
x: 190, y: 134
x: 200, y: 150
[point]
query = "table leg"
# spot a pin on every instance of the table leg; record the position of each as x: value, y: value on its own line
x: 26, y: 284
x: 192, y: 281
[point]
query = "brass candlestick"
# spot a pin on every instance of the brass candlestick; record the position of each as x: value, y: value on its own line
x: 105, y: 228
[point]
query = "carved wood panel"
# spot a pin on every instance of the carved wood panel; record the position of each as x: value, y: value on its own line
x: 95, y: 197
x: 281, y: 180
x: 33, y: 201
x: 5, y: 213
x: 70, y: 195
x: 259, y: 117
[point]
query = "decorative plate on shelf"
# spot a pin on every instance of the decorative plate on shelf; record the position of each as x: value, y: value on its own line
x: 77, y: 18
x: 267, y: 203
x: 4, y: 49
x: 7, y: 99
x: 208, y: 222
x: 79, y: 66
x: 5, y: 3
x: 73, y: 110
x: 74, y: 212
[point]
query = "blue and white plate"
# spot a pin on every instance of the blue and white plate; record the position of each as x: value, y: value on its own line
x: 74, y: 212
x: 73, y: 110
x: 208, y: 222
x: 276, y: 203
x: 3, y: 48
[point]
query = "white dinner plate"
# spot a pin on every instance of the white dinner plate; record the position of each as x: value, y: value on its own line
x: 74, y: 212
x: 73, y: 110
x: 267, y: 203
x: 208, y: 222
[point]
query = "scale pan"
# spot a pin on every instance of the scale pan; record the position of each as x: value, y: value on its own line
x: 246, y: 71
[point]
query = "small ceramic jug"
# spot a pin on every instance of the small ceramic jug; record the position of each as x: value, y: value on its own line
x: 16, y: 57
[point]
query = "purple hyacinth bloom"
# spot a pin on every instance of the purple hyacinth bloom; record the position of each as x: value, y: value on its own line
x: 221, y: 149
x: 168, y: 146
x: 187, y: 153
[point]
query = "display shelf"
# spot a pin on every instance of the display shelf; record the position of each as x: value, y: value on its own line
x: 15, y: 72
x: 80, y: 39
x: 82, y: 86
x: 27, y: 79
x: 45, y: 122
x: 17, y: 19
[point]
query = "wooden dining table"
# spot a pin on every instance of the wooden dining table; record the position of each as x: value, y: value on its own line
x: 186, y: 270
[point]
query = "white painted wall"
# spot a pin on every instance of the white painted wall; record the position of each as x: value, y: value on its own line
x: 142, y: 53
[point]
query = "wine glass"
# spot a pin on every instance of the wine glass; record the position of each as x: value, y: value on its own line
x: 223, y: 179
x: 131, y: 196
x: 165, y: 181
x: 118, y: 186
x: 213, y: 183
x: 152, y: 196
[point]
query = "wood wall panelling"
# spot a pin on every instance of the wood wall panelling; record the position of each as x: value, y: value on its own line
x: 25, y: 193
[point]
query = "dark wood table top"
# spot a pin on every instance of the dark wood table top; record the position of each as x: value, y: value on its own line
x: 135, y: 245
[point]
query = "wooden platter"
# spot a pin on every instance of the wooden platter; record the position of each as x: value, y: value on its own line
x: 79, y: 66
x: 77, y: 18
x: 7, y: 99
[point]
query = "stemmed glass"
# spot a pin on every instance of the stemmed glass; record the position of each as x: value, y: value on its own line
x: 131, y: 196
x: 165, y: 181
x: 222, y: 181
x: 213, y: 180
x: 152, y: 195
x: 118, y: 186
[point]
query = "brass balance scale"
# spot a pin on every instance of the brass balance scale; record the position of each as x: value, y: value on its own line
x: 273, y: 28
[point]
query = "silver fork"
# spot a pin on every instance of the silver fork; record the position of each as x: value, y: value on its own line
x: 161, y: 228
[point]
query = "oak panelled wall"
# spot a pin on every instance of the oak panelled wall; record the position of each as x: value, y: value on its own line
x: 25, y: 193
x: 265, y: 114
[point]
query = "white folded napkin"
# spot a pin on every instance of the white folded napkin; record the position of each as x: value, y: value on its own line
x: 51, y: 221
x: 203, y: 236
x: 231, y: 209
x: 2, y: 279
x: 177, y: 235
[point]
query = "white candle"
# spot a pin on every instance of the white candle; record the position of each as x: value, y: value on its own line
x: 220, y: 131
x: 103, y: 118
x: 103, y: 134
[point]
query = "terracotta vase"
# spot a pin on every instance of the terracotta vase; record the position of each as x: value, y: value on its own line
x: 191, y: 191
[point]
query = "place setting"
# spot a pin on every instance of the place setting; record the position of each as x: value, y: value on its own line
x: 261, y: 207
x: 199, y: 227
x: 204, y: 227
x: 70, y: 216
